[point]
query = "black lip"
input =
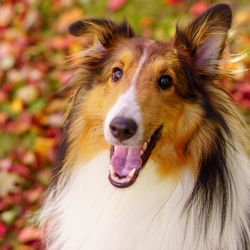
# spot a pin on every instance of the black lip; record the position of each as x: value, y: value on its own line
x: 152, y: 143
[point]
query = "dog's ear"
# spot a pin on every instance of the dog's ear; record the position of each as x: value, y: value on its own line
x: 107, y: 32
x: 205, y: 38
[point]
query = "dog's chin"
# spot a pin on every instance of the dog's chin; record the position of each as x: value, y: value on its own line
x: 126, y: 162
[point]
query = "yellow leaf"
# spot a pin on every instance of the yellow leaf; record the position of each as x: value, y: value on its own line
x: 27, y: 94
x: 8, y: 182
x: 16, y: 106
x: 43, y: 145
x: 69, y: 17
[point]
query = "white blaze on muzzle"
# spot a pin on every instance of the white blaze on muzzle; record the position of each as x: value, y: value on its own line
x: 128, y: 108
x: 126, y: 158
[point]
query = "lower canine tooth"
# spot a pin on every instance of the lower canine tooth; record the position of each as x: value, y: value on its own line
x: 127, y: 179
x: 111, y: 169
x: 116, y: 179
x: 132, y: 172
x: 145, y: 146
x: 141, y: 152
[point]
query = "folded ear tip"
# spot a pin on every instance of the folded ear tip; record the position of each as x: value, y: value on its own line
x: 223, y: 6
x: 224, y: 9
x: 76, y: 28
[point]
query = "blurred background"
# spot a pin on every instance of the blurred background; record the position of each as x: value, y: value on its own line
x: 34, y: 48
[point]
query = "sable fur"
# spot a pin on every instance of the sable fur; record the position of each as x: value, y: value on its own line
x: 204, y: 133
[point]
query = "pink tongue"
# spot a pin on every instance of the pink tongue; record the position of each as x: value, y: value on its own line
x: 125, y: 159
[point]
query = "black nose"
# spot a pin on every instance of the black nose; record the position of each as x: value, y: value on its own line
x: 122, y: 128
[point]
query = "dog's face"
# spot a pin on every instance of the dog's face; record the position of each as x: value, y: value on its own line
x: 146, y: 94
x: 142, y: 92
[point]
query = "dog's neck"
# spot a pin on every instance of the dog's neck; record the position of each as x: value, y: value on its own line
x: 96, y: 215
x: 87, y: 212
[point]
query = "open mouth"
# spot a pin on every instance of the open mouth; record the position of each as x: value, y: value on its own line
x: 126, y: 162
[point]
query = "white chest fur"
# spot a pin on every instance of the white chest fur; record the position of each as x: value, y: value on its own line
x: 91, y: 214
x: 88, y: 213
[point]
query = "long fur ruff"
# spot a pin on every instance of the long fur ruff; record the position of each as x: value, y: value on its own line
x: 193, y: 192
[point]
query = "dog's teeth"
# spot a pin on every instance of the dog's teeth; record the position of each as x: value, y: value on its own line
x: 145, y: 145
x: 141, y: 152
x: 127, y: 179
x: 132, y: 172
x: 124, y: 180
x: 121, y: 180
x: 111, y: 169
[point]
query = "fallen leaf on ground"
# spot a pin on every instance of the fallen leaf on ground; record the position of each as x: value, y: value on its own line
x: 29, y: 234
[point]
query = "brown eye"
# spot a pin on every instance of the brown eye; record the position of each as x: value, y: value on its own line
x: 165, y: 82
x: 116, y: 74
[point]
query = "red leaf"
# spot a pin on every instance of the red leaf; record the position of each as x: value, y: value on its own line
x: 6, y: 247
x: 20, y: 169
x: 172, y: 1
x: 198, y: 8
x: 6, y: 14
x: 29, y: 234
x: 147, y: 22
x: 116, y: 4
x: 3, y: 230
x: 5, y: 164
x: 242, y: 94
x: 33, y: 195
x: 3, y: 205
x: 59, y: 42
x: 15, y: 198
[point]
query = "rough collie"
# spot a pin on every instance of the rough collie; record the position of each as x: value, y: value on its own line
x: 153, y: 153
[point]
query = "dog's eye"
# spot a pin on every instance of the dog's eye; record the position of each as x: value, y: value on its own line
x: 165, y: 82
x: 116, y: 74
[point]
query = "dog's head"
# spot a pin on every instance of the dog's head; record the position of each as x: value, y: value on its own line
x: 149, y: 96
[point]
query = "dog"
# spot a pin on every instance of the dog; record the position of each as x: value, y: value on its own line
x: 153, y: 153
